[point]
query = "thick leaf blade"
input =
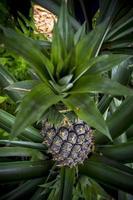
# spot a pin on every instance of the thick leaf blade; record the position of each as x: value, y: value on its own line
x: 26, y: 144
x: 64, y: 26
x: 5, y: 80
x: 97, y: 84
x: 129, y: 132
x: 6, y: 122
x: 86, y: 110
x: 80, y: 33
x: 67, y: 181
x: 107, y: 63
x: 33, y: 106
x: 122, y: 24
x: 109, y: 172
x: 119, y: 152
x: 22, y: 87
x: 23, y: 170
x: 23, y: 190
x: 57, y: 50
x: 119, y: 121
x: 89, y: 47
x: 20, y: 152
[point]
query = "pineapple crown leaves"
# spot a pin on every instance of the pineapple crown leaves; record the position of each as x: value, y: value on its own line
x: 70, y: 67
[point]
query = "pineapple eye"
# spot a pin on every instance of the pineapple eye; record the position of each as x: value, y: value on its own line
x: 79, y: 128
x: 63, y: 133
x: 81, y: 139
x: 57, y: 141
x: 51, y: 133
x: 72, y: 137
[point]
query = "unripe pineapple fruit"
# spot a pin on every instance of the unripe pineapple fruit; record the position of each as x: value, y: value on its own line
x: 70, y: 143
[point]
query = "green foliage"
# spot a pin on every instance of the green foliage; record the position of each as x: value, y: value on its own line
x: 77, y: 74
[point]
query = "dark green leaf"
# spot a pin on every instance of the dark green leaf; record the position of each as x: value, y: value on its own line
x: 109, y: 172
x: 58, y: 51
x: 93, y: 83
x: 23, y: 190
x: 123, y: 23
x: 129, y: 132
x: 38, y: 194
x: 64, y: 26
x: 119, y: 121
x: 67, y: 181
x: 86, y: 110
x: 5, y: 80
x: 32, y: 145
x: 120, y: 152
x: 20, y: 152
x: 80, y: 34
x: 33, y: 107
x: 23, y: 170
x: 104, y: 103
x: 22, y: 87
x: 122, y: 73
x: 6, y: 122
x: 109, y: 9
x: 89, y: 47
x: 108, y: 62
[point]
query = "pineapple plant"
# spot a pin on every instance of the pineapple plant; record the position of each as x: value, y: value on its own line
x: 72, y: 102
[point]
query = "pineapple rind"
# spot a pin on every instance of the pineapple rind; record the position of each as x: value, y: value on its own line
x: 69, y: 144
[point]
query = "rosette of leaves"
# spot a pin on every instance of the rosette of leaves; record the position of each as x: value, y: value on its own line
x: 74, y: 75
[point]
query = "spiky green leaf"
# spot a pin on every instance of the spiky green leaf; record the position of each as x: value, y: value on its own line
x: 93, y: 83
x: 119, y: 152
x: 119, y: 121
x: 6, y: 122
x: 86, y: 110
x: 33, y: 107
x: 22, y: 87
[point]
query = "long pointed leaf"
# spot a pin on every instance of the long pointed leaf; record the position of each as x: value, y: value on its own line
x: 93, y: 83
x: 64, y: 26
x: 20, y: 152
x: 5, y: 80
x: 88, y: 47
x: 33, y: 107
x: 6, y: 122
x: 22, y: 87
x: 86, y: 110
x: 108, y: 62
x: 120, y: 152
x: 32, y: 145
x: 119, y: 121
x: 23, y: 170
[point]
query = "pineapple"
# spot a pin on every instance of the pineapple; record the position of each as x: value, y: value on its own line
x: 70, y: 143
